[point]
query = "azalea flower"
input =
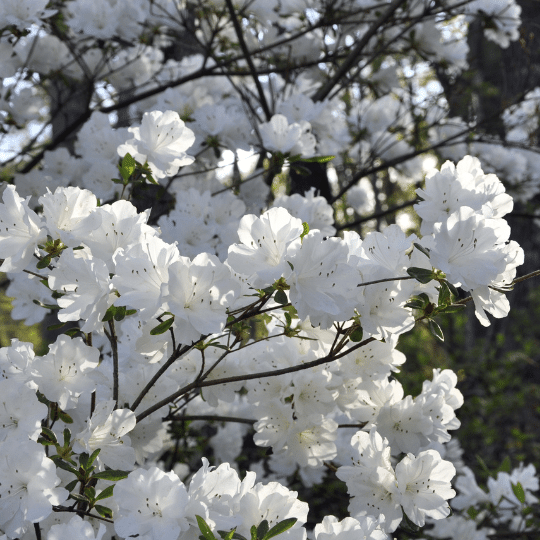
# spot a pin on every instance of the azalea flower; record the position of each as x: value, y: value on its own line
x: 162, y: 140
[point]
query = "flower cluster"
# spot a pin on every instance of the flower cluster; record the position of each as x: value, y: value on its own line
x: 154, y: 311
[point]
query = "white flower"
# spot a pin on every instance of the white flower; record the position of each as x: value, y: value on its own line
x: 140, y: 272
x: 424, y: 485
x: 22, y: 13
x: 107, y: 430
x: 24, y: 289
x: 198, y: 293
x: 16, y: 362
x: 20, y: 411
x: 274, y: 503
x: 404, y: 425
x: 278, y: 135
x: 151, y: 502
x: 27, y: 486
x: 274, y: 421
x: 21, y: 230
x: 468, y: 248
x: 264, y: 242
x: 63, y: 374
x: 75, y: 528
x: 121, y: 227
x: 162, y: 140
x: 212, y: 492
x: 87, y: 289
x: 363, y: 528
x: 464, y: 184
x: 323, y: 285
x: 311, y: 208
x: 371, y: 480
x: 310, y: 440
x: 70, y: 214
x: 469, y: 492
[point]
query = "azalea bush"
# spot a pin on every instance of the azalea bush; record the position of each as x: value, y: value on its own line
x: 229, y: 214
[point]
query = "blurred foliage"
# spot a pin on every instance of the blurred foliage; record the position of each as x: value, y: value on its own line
x: 10, y: 329
x: 499, y: 376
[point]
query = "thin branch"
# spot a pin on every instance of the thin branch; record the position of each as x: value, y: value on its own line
x: 114, y: 346
x: 89, y: 514
x: 174, y: 356
x: 355, y: 54
x: 377, y: 215
x: 250, y: 376
x: 384, y: 280
x: 211, y: 418
x: 249, y: 59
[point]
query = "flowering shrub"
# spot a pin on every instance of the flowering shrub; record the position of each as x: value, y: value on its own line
x: 234, y: 305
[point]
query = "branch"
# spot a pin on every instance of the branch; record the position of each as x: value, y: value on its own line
x: 251, y: 376
x: 211, y: 418
x: 249, y: 59
x: 377, y: 215
x: 114, y: 346
x: 354, y: 55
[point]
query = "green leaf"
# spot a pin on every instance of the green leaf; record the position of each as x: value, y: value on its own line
x: 435, y: 329
x: 64, y: 417
x: 288, y: 319
x: 357, y: 334
x: 424, y: 250
x: 130, y: 312
x: 506, y: 465
x: 90, y: 493
x: 120, y: 313
x: 415, y: 303
x: 281, y: 298
x: 103, y: 511
x: 483, y: 464
x: 72, y: 485
x: 262, y: 529
x: 227, y: 535
x: 61, y: 464
x: 56, y: 326
x: 453, y: 289
x: 253, y: 532
x: 109, y: 314
x: 128, y: 166
x: 72, y: 331
x: 319, y: 159
x: 472, y: 512
x: 420, y: 274
x: 43, y: 263
x: 162, y: 327
x: 79, y: 497
x: 453, y: 308
x: 49, y: 435
x: 279, y: 528
x: 444, y: 294
x: 519, y: 492
x: 300, y: 169
x: 112, y: 475
x: 67, y: 437
x: 83, y: 460
x: 105, y: 494
x: 205, y: 529
x: 93, y: 457
x: 304, y: 232
x: 291, y: 159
